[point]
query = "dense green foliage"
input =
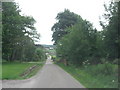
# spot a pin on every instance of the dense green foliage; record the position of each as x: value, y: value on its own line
x: 94, y: 76
x: 111, y: 31
x: 40, y: 54
x: 79, y: 44
x: 0, y: 31
x: 85, y: 45
x: 18, y: 34
x: 65, y: 19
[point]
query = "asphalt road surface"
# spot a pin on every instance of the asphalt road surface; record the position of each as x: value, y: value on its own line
x: 50, y: 76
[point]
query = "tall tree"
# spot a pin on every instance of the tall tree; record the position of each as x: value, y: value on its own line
x: 78, y: 45
x: 0, y: 30
x: 18, y: 32
x: 65, y: 19
x: 110, y: 28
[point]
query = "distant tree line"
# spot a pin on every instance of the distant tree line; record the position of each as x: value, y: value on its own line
x: 18, y: 35
x: 78, y: 42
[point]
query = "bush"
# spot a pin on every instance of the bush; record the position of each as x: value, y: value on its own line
x: 103, y: 69
x: 40, y: 54
x: 91, y: 77
x: 53, y: 58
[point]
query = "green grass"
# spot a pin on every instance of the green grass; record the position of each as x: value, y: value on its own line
x: 34, y: 71
x: 13, y: 70
x: 0, y: 70
x: 91, y: 77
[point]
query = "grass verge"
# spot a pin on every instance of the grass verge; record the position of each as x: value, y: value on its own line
x: 13, y: 70
x: 92, y: 80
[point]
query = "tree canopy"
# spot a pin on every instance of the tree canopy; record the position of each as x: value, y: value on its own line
x: 82, y: 43
x: 64, y: 20
x: 18, y: 34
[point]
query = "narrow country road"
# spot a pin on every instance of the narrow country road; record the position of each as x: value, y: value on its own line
x: 51, y: 76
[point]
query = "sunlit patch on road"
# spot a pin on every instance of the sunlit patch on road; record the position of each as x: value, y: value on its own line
x: 49, y: 61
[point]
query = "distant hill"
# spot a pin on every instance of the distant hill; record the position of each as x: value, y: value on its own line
x: 45, y: 46
x: 48, y: 46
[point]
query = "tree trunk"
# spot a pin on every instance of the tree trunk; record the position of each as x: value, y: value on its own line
x: 13, y: 55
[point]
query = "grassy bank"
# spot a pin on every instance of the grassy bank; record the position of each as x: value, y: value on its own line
x: 0, y: 70
x: 14, y: 70
x: 94, y: 76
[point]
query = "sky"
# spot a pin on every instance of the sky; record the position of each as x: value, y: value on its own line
x: 45, y: 12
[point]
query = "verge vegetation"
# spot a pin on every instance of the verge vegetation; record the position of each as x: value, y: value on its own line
x: 94, y: 76
x: 17, y: 70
